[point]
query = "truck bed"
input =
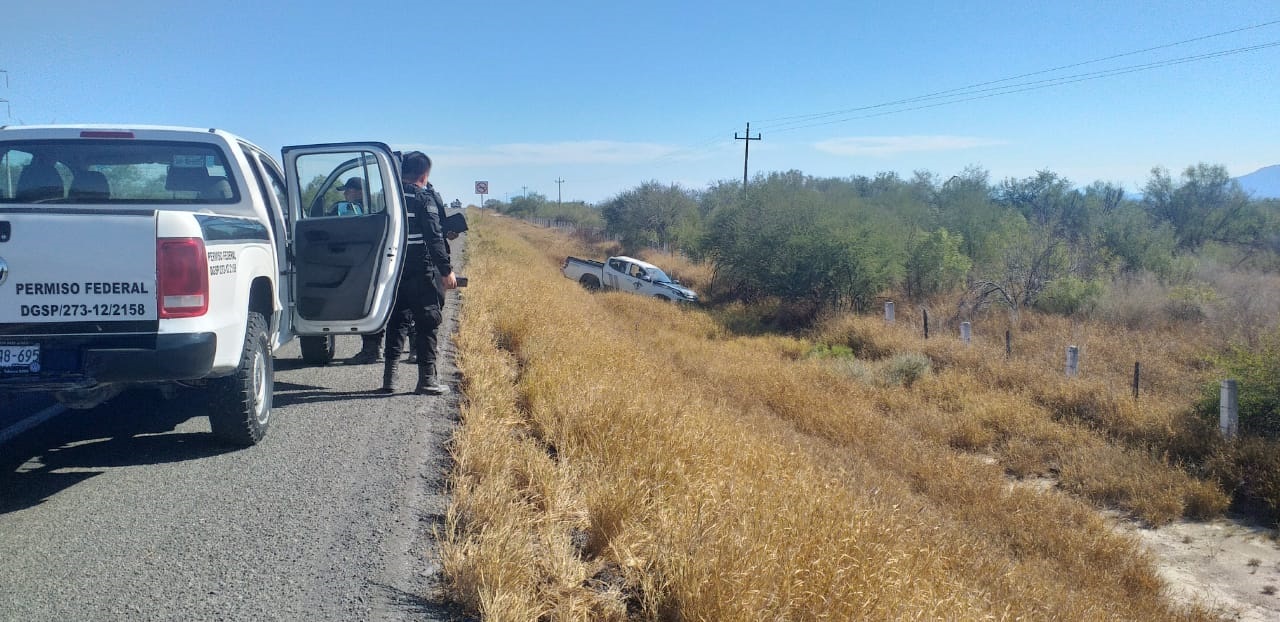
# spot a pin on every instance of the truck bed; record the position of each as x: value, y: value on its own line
x: 590, y: 262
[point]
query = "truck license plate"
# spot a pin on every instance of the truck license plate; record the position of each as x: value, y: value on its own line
x: 19, y: 359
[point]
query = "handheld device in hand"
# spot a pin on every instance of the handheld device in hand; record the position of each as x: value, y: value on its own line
x: 462, y: 281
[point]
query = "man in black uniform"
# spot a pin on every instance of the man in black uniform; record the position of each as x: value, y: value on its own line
x: 426, y: 276
x: 434, y: 201
x: 371, y: 351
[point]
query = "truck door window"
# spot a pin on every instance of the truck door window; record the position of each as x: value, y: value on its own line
x: 268, y: 176
x: 257, y: 175
x: 277, y: 186
x: 341, y: 185
x: 276, y: 179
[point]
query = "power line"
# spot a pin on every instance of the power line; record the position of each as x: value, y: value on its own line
x: 818, y: 115
x: 976, y: 91
x: 958, y: 97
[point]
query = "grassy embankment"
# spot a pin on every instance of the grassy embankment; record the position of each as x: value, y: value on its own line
x: 620, y: 458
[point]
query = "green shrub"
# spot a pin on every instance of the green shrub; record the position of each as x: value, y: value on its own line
x: 1187, y: 302
x: 1257, y: 372
x: 825, y: 351
x: 905, y: 369
x: 935, y: 264
x: 1069, y: 295
x: 865, y: 345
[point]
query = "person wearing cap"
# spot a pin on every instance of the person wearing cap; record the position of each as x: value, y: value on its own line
x: 353, y: 193
x: 353, y: 205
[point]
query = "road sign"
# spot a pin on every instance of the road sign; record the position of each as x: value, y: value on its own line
x: 482, y: 187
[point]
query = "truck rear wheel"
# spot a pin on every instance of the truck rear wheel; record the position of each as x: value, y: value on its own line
x: 240, y: 404
x: 590, y: 282
x: 318, y: 350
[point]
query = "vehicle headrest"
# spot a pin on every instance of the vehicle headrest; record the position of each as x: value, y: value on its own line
x: 39, y: 181
x: 187, y: 179
x: 90, y: 185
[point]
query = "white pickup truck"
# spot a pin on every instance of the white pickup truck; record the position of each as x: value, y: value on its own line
x: 628, y: 275
x: 158, y: 255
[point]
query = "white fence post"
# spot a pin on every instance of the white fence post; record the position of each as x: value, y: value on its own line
x: 966, y: 333
x: 1229, y: 409
x: 888, y: 311
x: 1073, y: 361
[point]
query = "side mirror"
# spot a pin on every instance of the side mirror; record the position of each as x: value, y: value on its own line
x: 645, y: 277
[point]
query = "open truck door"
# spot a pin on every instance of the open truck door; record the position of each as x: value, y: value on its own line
x: 347, y: 240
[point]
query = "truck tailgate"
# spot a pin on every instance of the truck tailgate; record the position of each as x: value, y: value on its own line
x: 76, y: 271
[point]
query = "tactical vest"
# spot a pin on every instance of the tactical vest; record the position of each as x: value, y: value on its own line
x: 416, y: 250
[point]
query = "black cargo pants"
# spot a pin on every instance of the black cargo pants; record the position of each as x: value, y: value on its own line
x: 418, y: 302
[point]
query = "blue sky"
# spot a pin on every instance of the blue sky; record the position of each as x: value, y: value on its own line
x: 609, y: 95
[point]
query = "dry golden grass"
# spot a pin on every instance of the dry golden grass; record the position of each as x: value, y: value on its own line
x: 625, y: 459
x: 1086, y: 431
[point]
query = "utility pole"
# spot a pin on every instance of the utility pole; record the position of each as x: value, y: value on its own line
x: 746, y: 150
x: 558, y: 182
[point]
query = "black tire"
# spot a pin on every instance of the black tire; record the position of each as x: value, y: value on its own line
x: 590, y: 282
x: 318, y: 350
x: 240, y: 404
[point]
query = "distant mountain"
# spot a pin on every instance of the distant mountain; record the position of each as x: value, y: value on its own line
x: 1263, y: 183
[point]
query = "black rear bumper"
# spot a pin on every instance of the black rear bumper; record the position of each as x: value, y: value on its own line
x: 78, y: 362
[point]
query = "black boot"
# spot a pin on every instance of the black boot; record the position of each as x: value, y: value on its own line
x: 370, y: 350
x: 388, y: 377
x: 427, y: 383
x: 364, y: 357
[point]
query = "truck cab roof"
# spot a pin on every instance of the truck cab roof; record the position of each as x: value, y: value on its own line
x: 142, y: 131
x: 163, y: 167
x: 643, y: 264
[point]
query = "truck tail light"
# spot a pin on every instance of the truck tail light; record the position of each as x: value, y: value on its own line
x: 182, y: 277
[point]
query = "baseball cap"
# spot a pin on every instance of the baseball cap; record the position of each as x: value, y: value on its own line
x: 353, y: 183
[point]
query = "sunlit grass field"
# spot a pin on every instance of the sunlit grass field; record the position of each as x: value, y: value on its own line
x: 621, y: 458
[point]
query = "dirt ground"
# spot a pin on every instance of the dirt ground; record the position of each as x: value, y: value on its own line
x: 1225, y: 564
x: 1229, y: 565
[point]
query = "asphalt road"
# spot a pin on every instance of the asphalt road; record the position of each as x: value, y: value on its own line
x: 131, y: 511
